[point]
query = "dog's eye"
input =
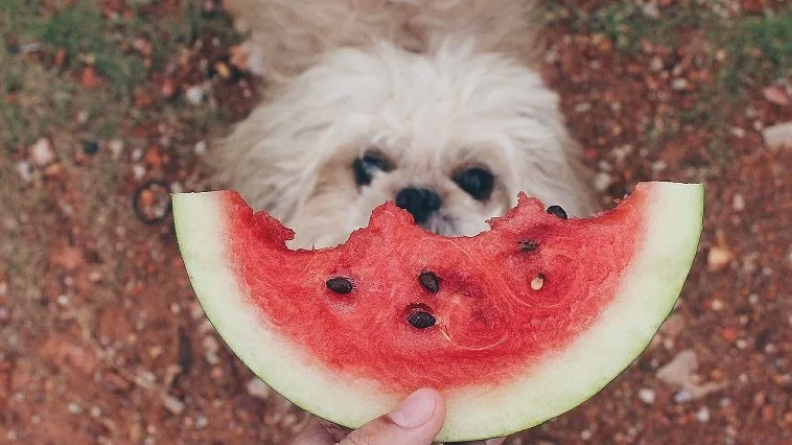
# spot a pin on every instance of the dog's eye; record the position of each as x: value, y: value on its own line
x: 477, y: 181
x: 367, y: 166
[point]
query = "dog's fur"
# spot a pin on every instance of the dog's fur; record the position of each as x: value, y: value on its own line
x: 433, y: 85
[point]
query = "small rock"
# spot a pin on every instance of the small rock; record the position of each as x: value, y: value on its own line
x: 116, y: 148
x: 41, y: 153
x: 737, y: 132
x: 703, y: 415
x: 718, y: 258
x: 656, y: 64
x: 200, y: 148
x: 194, y: 95
x: 776, y: 96
x: 650, y: 10
x: 646, y: 395
x: 138, y: 171
x: 258, y: 388
x: 25, y: 171
x: 738, y: 202
x: 582, y: 107
x: 680, y: 372
x: 211, y: 347
x: 602, y: 181
x: 83, y: 116
x: 74, y: 408
x: 659, y: 166
x: 586, y: 435
x: 778, y: 135
x: 680, y: 84
x: 96, y: 411
x: 172, y: 404
x: 683, y: 396
x: 137, y: 154
x: 201, y: 422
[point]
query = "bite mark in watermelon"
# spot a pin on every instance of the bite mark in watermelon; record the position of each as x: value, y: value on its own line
x: 514, y: 326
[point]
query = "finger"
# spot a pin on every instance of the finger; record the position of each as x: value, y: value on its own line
x: 416, y: 421
x: 314, y: 433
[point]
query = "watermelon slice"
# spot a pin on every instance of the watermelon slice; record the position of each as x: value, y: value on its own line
x: 514, y: 326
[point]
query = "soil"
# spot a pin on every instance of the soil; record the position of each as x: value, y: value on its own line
x: 101, y: 339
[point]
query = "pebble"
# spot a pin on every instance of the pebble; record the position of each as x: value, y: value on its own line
x: 703, y: 415
x: 586, y: 435
x: 211, y: 347
x: 602, y: 181
x: 194, y: 95
x: 74, y: 408
x: 201, y: 422
x: 680, y: 84
x: 138, y: 171
x: 776, y: 96
x: 659, y: 166
x: 582, y: 107
x: 41, y: 152
x: 647, y: 395
x: 25, y: 171
x: 656, y: 64
x: 650, y: 10
x: 779, y: 135
x: 738, y: 202
x: 718, y: 258
x: 116, y: 148
x: 258, y: 388
x: 200, y: 148
x: 172, y: 404
x: 683, y: 396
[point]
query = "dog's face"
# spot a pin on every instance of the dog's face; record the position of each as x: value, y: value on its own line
x: 451, y: 137
x: 449, y: 190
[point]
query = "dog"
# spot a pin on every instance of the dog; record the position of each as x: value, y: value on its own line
x: 434, y: 104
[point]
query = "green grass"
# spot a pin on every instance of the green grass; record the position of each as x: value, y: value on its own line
x: 759, y: 51
x: 36, y: 100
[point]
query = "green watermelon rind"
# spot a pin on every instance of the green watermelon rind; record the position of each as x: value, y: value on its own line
x: 650, y: 289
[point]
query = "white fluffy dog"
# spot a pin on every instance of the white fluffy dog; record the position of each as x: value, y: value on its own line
x: 431, y: 103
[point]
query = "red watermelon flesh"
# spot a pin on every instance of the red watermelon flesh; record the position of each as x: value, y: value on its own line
x: 515, y: 325
x: 489, y: 320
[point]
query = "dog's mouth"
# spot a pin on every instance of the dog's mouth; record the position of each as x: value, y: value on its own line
x: 440, y: 224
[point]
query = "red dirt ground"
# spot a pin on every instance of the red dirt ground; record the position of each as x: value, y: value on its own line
x: 103, y: 342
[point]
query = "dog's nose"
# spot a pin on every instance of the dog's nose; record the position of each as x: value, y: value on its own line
x: 420, y: 202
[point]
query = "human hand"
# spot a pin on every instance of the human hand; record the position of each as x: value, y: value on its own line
x: 416, y: 421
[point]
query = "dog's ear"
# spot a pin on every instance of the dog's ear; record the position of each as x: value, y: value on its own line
x: 284, y: 38
x: 264, y: 162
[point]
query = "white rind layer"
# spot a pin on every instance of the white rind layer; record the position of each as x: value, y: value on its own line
x: 647, y: 295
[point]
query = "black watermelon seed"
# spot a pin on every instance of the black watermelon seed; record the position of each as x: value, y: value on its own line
x: 339, y: 285
x: 529, y: 245
x: 557, y: 211
x: 430, y: 282
x: 421, y: 320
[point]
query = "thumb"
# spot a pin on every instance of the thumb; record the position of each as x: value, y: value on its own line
x: 416, y: 421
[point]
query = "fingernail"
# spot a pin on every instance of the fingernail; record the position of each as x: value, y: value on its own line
x: 416, y: 409
x: 497, y: 441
